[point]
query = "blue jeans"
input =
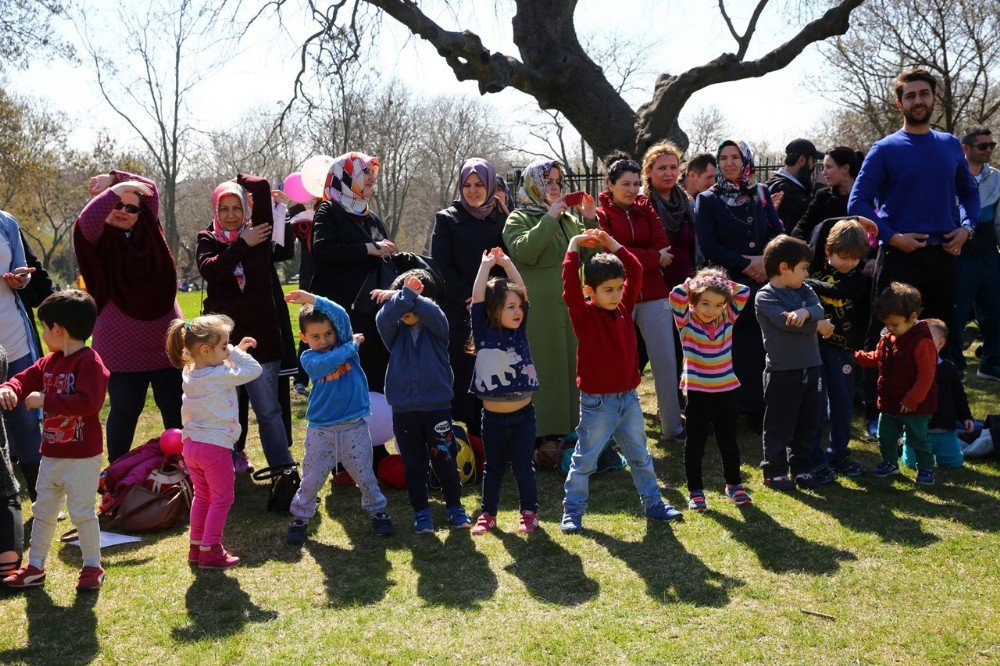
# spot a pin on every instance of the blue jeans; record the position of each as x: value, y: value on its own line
x: 602, y: 416
x: 263, y: 393
x: 509, y: 439
x: 838, y: 393
x: 23, y: 433
x: 977, y: 286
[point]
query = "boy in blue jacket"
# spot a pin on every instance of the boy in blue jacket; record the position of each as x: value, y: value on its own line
x: 418, y: 387
x: 338, y: 405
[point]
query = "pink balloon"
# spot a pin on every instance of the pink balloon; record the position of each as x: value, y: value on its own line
x: 294, y: 188
x: 170, y: 442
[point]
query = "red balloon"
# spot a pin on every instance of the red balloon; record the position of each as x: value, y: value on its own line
x: 170, y: 442
x: 390, y: 472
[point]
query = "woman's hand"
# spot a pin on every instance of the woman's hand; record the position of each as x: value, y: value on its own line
x: 279, y: 198
x: 256, y: 235
x: 382, y: 295
x: 19, y: 277
x: 776, y: 199
x: 557, y: 209
x: 34, y: 400
x: 99, y: 183
x: 382, y: 248
x: 247, y: 344
x: 665, y: 257
x: 588, y: 208
x: 132, y: 186
x: 300, y: 297
x: 755, y: 271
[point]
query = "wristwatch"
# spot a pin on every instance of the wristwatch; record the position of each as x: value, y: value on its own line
x: 971, y: 229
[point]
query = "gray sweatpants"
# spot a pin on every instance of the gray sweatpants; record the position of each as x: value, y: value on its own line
x: 657, y: 325
x: 349, y: 444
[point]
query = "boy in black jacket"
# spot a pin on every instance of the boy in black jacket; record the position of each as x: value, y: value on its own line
x: 952, y: 407
x: 837, y: 279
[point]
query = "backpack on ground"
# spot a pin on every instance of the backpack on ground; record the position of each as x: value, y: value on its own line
x: 285, y: 483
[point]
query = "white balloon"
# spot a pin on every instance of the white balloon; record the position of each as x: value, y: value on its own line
x: 380, y: 420
x: 314, y: 172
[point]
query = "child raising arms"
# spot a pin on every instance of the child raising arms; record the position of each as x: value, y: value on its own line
x: 211, y: 369
x: 504, y: 380
x: 705, y: 308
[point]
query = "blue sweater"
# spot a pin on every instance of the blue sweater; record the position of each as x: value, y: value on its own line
x: 419, y: 377
x: 340, y: 388
x: 909, y: 183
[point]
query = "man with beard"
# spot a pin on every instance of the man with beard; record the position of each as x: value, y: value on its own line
x: 908, y: 185
x: 795, y: 180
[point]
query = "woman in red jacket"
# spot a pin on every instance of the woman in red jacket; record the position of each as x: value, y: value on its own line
x: 632, y: 221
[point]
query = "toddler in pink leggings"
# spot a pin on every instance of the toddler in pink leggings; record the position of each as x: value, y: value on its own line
x: 211, y: 371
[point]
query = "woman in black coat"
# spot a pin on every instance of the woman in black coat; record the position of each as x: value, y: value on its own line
x: 462, y: 232
x: 840, y: 167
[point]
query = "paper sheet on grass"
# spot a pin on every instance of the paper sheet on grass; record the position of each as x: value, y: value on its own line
x: 109, y: 539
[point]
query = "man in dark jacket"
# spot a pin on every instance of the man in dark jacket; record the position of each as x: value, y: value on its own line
x: 795, y: 180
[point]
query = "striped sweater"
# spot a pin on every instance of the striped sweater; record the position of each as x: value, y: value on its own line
x: 708, y: 348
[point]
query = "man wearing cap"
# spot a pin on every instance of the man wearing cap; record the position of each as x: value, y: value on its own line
x: 795, y: 180
x: 908, y: 184
x: 978, y: 267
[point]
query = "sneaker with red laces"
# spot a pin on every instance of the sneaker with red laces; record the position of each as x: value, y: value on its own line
x: 528, y: 523
x: 26, y: 576
x: 217, y: 558
x: 194, y: 554
x: 484, y: 523
x: 90, y: 579
x: 738, y: 495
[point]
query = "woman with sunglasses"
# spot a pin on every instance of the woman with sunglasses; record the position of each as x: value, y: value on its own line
x: 128, y: 268
x: 536, y: 235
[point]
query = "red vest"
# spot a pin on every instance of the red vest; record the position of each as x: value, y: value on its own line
x: 897, y: 370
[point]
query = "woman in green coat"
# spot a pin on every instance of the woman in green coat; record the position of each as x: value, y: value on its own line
x: 537, y: 234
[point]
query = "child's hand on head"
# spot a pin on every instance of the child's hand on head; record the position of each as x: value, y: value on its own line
x: 300, y: 296
x: 412, y: 283
x: 584, y: 240
x: 489, y: 258
x: 247, y: 343
x: 34, y: 400
x: 825, y: 328
x: 8, y: 399
x: 501, y: 258
x: 358, y: 338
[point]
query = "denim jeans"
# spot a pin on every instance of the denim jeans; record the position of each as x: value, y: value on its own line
x: 263, y: 393
x: 23, y: 432
x: 127, y: 395
x: 509, y: 439
x: 602, y: 416
x: 838, y: 394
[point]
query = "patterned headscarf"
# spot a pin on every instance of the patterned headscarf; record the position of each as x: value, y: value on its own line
x: 736, y: 192
x: 344, y: 181
x: 531, y: 194
x: 488, y: 174
x: 224, y: 235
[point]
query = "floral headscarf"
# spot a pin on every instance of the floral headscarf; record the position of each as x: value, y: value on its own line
x: 531, y: 194
x: 224, y: 235
x: 488, y: 174
x: 343, y: 181
x: 736, y: 192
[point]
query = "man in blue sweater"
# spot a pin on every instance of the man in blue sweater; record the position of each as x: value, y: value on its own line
x: 908, y: 185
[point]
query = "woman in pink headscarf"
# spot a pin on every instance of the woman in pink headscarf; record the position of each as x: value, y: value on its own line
x: 349, y: 242
x: 234, y: 257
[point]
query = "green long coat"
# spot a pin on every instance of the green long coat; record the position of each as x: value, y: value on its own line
x: 537, y: 244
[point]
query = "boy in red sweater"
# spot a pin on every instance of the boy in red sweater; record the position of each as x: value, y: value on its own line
x: 69, y: 386
x: 607, y: 373
x: 906, y: 358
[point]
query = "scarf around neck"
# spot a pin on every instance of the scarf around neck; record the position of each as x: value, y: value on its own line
x: 486, y: 172
x: 674, y: 212
x: 344, y: 181
x: 531, y: 194
x: 740, y: 191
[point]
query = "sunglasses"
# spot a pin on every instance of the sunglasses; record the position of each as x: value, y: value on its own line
x: 129, y: 208
x: 990, y: 145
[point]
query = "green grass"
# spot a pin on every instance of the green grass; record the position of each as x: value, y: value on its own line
x: 909, y: 573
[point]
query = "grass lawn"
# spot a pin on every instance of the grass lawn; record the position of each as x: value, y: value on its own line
x: 908, y: 574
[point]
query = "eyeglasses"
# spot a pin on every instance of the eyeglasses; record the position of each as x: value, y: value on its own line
x: 129, y: 208
x: 990, y: 145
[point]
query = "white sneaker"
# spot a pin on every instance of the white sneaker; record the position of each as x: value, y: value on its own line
x: 988, y: 377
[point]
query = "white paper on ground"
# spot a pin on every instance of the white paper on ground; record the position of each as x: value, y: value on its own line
x: 110, y: 539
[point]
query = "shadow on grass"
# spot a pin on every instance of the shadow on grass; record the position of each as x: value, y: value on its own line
x: 778, y: 548
x: 358, y: 575
x: 550, y: 573
x: 217, y: 607
x: 57, y: 634
x: 671, y: 573
x: 452, y: 574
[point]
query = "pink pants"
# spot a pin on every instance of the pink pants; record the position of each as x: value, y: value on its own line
x: 211, y: 468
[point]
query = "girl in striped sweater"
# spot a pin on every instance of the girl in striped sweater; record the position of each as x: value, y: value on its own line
x: 705, y: 308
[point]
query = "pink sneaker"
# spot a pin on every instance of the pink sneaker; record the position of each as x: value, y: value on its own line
x: 194, y: 554
x: 528, y: 523
x: 241, y: 464
x: 484, y: 523
x: 216, y: 558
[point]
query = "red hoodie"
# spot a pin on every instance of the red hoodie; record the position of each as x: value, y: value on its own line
x: 639, y: 229
x: 906, y: 366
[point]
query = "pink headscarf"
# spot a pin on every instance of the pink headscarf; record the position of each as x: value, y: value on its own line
x: 229, y: 236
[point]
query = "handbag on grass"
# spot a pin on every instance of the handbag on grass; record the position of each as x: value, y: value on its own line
x: 284, y: 484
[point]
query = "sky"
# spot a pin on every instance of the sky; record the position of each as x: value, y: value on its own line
x: 681, y: 33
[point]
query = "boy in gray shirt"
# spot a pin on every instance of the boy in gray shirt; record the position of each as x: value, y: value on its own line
x: 790, y: 316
